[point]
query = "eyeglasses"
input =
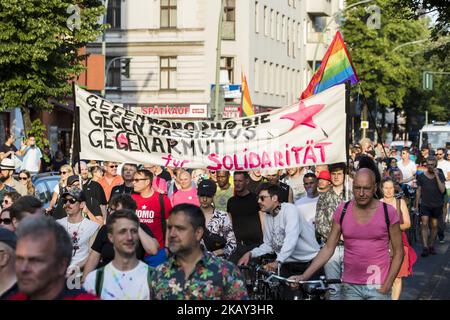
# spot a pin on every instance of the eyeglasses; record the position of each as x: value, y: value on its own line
x: 23, y: 178
x: 71, y: 201
x: 439, y: 154
x: 5, y: 221
x: 263, y: 197
x: 137, y: 180
x: 63, y: 172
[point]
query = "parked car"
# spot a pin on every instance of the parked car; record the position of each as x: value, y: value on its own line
x: 45, y: 184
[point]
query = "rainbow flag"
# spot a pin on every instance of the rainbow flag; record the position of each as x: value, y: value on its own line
x: 246, y: 102
x: 336, y: 68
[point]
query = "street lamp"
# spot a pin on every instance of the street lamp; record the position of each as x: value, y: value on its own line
x: 218, y: 116
x: 104, y: 47
x: 328, y: 24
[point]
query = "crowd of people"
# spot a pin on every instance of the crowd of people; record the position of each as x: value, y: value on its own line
x: 170, y: 233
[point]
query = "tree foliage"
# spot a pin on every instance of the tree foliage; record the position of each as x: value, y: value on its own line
x: 385, y: 72
x: 39, y: 53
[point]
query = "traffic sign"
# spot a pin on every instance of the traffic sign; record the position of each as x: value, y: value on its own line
x: 364, y: 124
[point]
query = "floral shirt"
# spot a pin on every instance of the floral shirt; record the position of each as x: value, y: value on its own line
x: 326, y: 205
x: 213, y: 278
x: 221, y: 225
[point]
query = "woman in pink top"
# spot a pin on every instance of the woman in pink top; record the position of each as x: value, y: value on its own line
x: 369, y: 271
x: 187, y: 193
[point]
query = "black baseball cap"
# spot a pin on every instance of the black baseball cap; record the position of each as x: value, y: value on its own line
x: 72, y: 179
x: 207, y: 188
x: 8, y: 237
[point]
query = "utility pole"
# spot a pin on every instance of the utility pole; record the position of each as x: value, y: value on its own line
x: 217, y: 115
x: 104, y: 47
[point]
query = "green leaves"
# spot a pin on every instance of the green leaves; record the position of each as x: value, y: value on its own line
x: 39, y: 53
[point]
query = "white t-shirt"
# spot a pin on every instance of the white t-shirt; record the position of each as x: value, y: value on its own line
x: 307, y: 207
x: 444, y: 165
x: 31, y: 159
x: 408, y: 170
x: 121, y: 285
x: 80, y: 234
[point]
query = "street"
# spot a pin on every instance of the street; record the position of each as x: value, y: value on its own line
x: 431, y: 278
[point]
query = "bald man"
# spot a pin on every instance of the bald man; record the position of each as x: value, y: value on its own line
x: 367, y: 225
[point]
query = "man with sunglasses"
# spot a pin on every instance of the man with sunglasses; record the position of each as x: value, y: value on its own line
x: 153, y: 210
x: 7, y: 168
x: 287, y: 233
x: 407, y: 167
x: 5, y: 220
x: 110, y: 179
x: 81, y: 230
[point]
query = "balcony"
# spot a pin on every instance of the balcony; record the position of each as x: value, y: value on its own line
x: 318, y: 7
x: 311, y: 49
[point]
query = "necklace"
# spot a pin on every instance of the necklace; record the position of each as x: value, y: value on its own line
x: 75, y: 237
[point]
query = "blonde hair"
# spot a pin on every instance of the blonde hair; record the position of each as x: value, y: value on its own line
x: 63, y: 183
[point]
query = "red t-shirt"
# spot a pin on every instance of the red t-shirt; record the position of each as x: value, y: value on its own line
x: 149, y: 213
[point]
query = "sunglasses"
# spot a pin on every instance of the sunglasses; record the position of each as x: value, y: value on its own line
x: 113, y: 166
x: 5, y: 221
x: 63, y: 172
x: 23, y: 178
x: 439, y: 154
x: 137, y: 180
x: 71, y: 201
x: 262, y: 198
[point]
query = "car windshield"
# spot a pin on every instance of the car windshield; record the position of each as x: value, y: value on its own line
x: 437, y: 139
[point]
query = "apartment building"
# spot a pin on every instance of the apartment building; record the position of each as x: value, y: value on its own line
x: 172, y: 47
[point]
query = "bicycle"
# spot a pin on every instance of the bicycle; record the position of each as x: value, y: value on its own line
x: 270, y: 286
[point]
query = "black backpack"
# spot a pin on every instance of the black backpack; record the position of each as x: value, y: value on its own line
x: 386, y: 215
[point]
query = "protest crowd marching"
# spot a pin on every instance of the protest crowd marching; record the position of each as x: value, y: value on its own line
x: 143, y: 231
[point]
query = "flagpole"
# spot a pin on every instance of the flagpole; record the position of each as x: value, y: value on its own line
x: 371, y: 119
x: 75, y: 127
x: 347, y: 139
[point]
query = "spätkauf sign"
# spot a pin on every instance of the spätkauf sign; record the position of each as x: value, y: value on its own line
x: 309, y: 132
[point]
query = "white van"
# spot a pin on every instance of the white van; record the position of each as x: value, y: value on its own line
x: 436, y: 134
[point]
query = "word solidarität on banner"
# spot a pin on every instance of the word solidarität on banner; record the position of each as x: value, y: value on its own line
x: 309, y: 132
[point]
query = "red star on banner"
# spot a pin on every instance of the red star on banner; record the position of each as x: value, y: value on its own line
x: 304, y: 115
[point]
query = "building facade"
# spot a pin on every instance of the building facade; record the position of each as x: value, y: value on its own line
x: 171, y: 45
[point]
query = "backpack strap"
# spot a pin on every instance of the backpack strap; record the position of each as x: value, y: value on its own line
x: 386, y: 218
x: 344, y: 211
x: 149, y: 277
x: 163, y: 215
x: 99, y: 281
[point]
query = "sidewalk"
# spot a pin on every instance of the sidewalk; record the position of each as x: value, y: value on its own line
x: 431, y: 275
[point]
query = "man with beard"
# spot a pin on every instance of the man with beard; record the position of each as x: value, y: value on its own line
x: 110, y: 179
x: 126, y: 277
x: 6, y: 176
x: 192, y: 273
x: 255, y: 181
x: 294, y: 179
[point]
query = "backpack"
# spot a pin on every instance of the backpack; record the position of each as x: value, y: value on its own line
x: 100, y: 275
x: 386, y: 215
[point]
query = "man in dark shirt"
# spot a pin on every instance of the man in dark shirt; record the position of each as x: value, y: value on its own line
x: 245, y: 215
x: 8, y: 280
x: 430, y: 193
x: 127, y: 187
x: 8, y: 149
x: 255, y: 181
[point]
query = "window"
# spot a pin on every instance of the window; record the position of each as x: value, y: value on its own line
x: 257, y: 75
x: 277, y: 79
x: 271, y: 78
x: 265, y: 76
x: 266, y: 21
x: 319, y: 23
x: 168, y: 73
x: 283, y: 80
x: 113, y: 78
x: 294, y: 33
x: 256, y: 16
x: 299, y: 36
x: 272, y: 24
x: 289, y: 41
x: 169, y: 14
x: 113, y: 14
x: 283, y: 27
x: 230, y: 10
x: 278, y: 26
x: 227, y: 70
x: 290, y: 3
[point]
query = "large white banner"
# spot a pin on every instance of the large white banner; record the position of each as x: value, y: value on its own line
x: 309, y: 132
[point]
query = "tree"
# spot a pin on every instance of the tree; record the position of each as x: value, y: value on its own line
x: 39, y: 45
x: 385, y: 72
x: 439, y: 30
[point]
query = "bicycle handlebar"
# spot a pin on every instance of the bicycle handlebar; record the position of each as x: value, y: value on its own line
x: 271, y: 275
